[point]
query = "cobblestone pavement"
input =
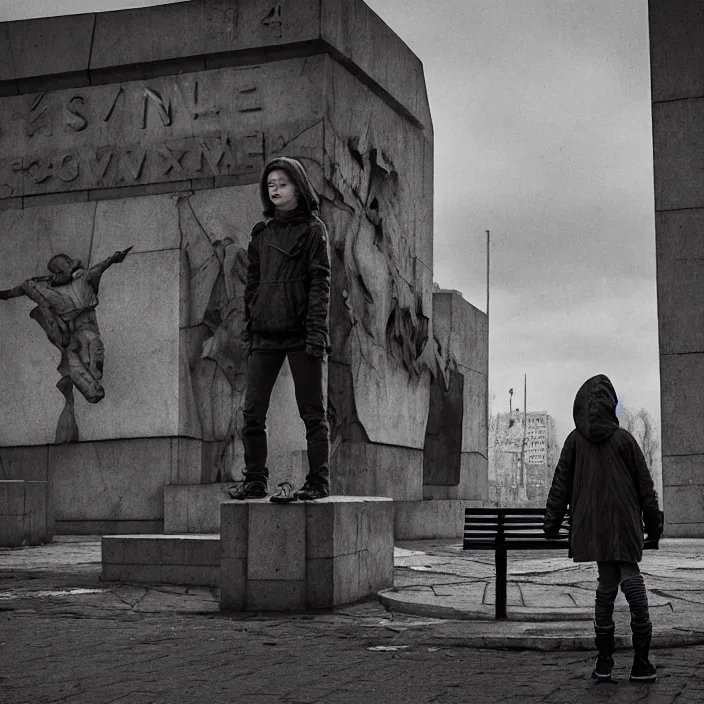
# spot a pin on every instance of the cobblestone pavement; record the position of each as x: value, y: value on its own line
x: 67, y: 637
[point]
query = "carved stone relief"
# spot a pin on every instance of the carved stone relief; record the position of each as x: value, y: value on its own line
x: 377, y: 308
x: 217, y: 273
x: 66, y: 302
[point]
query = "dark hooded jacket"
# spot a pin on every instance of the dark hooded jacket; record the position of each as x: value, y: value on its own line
x: 287, y: 296
x: 603, y: 478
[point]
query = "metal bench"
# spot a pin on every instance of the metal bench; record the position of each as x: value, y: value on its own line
x: 504, y: 529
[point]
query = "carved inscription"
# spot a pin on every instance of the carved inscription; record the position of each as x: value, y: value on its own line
x: 134, y: 133
x: 272, y: 20
x: 91, y: 167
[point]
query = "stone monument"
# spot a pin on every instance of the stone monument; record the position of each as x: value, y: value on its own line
x: 149, y: 128
x: 677, y: 84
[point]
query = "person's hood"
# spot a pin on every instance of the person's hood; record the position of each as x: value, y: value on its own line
x: 308, y: 198
x: 594, y: 409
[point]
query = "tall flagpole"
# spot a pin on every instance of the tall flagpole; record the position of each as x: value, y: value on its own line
x: 525, y: 429
x: 488, y: 260
x: 486, y: 404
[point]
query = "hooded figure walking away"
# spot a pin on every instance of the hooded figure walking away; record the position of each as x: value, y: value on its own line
x: 286, y: 301
x: 603, y: 478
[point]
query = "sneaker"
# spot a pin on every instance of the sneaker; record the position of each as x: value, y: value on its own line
x: 284, y: 494
x: 310, y: 492
x: 248, y: 490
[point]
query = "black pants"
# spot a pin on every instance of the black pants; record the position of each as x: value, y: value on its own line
x: 262, y: 370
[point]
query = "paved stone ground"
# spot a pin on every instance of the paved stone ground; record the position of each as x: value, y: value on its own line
x: 438, y: 578
x: 67, y: 637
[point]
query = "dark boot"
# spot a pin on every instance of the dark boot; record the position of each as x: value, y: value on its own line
x: 643, y: 670
x: 604, y: 641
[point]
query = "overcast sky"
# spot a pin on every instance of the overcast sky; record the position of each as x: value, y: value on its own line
x: 541, y: 111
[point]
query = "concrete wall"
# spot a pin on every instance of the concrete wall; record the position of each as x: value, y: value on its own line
x: 461, y: 332
x: 677, y: 82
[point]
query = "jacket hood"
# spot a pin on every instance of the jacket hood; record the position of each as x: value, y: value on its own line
x: 594, y: 409
x: 307, y: 197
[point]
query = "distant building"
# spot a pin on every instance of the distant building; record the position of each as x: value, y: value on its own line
x: 522, y: 458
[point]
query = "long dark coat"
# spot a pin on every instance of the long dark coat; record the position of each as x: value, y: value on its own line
x: 603, y: 478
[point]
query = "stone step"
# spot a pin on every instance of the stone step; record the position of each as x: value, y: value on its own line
x: 189, y: 559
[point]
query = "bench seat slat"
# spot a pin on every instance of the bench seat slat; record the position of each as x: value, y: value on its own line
x: 496, y: 511
x: 532, y: 535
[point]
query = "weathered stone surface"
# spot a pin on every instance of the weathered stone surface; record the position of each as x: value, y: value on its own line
x: 366, y: 469
x: 473, y: 484
x: 685, y: 505
x: 31, y: 237
x: 25, y: 513
x: 112, y: 480
x: 26, y: 463
x: 474, y: 430
x: 354, y: 30
x: 162, y: 559
x: 233, y: 583
x: 461, y: 330
x: 678, y: 130
x: 141, y: 350
x: 382, y: 292
x: 32, y: 404
x: 680, y: 251
x: 683, y: 470
x: 276, y: 542
x: 12, y: 497
x: 167, y: 129
x: 234, y: 529
x: 48, y: 45
x: 198, y: 28
x: 190, y: 550
x: 146, y: 224
x: 676, y: 52
x: 682, y: 404
x: 681, y: 325
x: 276, y: 595
x: 7, y: 69
x: 194, y: 508
x: 305, y: 555
x: 423, y: 520
x: 215, y: 227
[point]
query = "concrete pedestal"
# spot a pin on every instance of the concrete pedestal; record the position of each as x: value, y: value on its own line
x: 25, y: 513
x: 305, y: 554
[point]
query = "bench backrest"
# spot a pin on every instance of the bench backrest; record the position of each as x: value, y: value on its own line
x: 511, y: 528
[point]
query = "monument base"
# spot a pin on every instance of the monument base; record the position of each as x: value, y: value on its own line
x: 304, y: 555
x: 25, y: 513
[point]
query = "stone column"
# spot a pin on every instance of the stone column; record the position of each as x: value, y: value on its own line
x: 677, y: 82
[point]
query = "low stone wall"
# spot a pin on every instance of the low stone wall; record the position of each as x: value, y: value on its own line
x: 25, y: 513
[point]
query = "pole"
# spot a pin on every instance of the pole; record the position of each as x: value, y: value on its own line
x: 488, y: 269
x: 486, y: 402
x: 525, y: 430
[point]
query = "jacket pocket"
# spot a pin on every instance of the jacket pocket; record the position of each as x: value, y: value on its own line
x: 280, y: 308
